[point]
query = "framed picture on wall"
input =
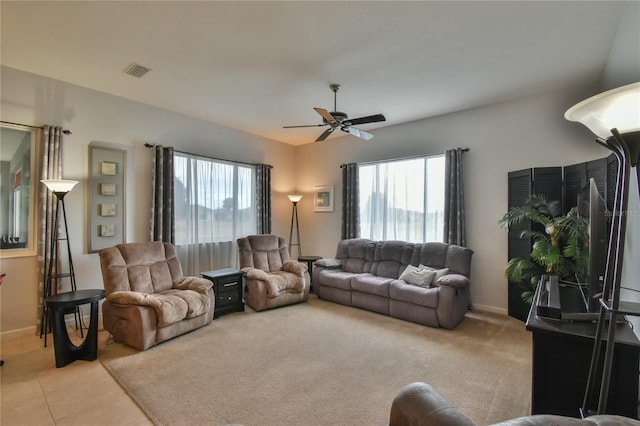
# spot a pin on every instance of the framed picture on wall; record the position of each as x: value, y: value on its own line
x: 106, y: 196
x: 323, y: 199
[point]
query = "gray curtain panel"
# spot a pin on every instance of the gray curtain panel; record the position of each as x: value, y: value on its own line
x: 162, y: 204
x: 263, y: 193
x: 50, y: 168
x: 454, y: 222
x: 350, y: 204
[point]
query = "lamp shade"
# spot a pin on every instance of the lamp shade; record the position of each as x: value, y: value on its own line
x: 617, y: 108
x: 295, y: 198
x: 59, y: 185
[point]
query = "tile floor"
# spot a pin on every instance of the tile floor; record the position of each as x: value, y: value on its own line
x: 34, y: 392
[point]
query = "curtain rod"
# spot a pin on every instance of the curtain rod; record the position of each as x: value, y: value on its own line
x: 66, y: 132
x: 403, y: 158
x: 150, y: 145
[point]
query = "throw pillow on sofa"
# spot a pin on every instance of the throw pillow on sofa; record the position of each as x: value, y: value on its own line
x: 439, y: 274
x: 420, y: 275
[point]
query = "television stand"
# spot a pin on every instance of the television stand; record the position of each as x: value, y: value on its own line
x: 561, y: 355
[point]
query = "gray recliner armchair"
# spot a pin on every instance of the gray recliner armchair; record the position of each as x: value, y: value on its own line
x: 273, y: 279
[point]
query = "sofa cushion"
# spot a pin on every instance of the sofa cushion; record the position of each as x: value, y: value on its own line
x: 391, y: 257
x: 400, y: 290
x: 368, y: 283
x: 418, y: 275
x: 197, y: 303
x: 356, y: 254
x: 335, y: 278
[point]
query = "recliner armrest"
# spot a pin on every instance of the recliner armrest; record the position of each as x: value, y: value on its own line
x: 456, y: 281
x: 133, y: 298
x: 329, y: 263
x: 256, y: 274
x: 201, y: 285
x: 419, y: 404
x: 294, y: 267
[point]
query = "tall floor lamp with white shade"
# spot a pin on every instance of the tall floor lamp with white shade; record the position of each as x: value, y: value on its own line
x: 54, y: 274
x: 614, y: 117
x: 295, y: 198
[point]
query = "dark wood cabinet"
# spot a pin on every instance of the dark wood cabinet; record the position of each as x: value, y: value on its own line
x: 227, y: 288
x: 561, y: 357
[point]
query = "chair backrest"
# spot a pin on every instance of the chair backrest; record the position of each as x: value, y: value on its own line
x: 149, y: 267
x: 266, y: 252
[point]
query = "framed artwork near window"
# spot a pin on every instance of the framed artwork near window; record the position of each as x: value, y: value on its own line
x: 106, y: 195
x: 323, y: 199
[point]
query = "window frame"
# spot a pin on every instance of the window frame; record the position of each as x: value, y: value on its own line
x: 438, y: 233
x: 236, y: 212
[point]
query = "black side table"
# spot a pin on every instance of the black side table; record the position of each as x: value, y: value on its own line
x: 227, y: 288
x: 66, y: 350
x: 309, y: 261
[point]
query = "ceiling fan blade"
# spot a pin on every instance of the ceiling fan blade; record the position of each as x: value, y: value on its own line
x: 325, y: 134
x: 365, y: 120
x: 326, y: 115
x: 304, y: 125
x: 359, y: 133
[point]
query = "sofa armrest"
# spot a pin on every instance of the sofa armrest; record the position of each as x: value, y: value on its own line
x: 329, y: 263
x: 457, y: 281
x: 200, y: 285
x: 419, y: 404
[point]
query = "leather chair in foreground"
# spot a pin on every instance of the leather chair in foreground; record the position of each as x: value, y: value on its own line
x: 272, y: 278
x: 419, y: 404
x: 148, y: 299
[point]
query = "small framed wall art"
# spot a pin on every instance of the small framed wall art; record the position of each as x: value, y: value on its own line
x: 106, y: 197
x: 323, y: 199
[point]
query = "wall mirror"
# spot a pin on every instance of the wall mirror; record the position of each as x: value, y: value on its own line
x: 18, y: 189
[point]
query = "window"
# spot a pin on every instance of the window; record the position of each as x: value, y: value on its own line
x: 214, y: 200
x: 402, y: 199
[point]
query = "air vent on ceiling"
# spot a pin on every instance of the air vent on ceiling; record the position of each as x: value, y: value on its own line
x: 136, y: 70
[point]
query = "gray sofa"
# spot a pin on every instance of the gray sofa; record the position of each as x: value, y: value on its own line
x: 419, y: 404
x: 365, y: 274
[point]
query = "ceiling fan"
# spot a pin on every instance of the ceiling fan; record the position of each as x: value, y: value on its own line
x: 337, y: 119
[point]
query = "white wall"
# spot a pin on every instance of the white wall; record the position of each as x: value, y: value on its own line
x: 524, y: 133
x: 95, y: 117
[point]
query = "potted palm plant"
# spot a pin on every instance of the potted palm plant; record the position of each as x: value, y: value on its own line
x: 560, y: 244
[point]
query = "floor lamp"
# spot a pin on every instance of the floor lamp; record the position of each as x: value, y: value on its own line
x: 294, y: 218
x: 59, y: 188
x: 614, y: 117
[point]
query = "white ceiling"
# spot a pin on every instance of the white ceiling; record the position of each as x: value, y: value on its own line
x: 258, y: 66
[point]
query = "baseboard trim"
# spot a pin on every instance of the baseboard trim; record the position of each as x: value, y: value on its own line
x: 491, y: 309
x: 19, y: 332
x: 35, y: 330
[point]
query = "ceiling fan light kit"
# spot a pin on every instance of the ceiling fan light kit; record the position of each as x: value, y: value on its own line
x: 337, y: 119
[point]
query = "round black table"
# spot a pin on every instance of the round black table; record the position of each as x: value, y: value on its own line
x: 309, y: 260
x: 66, y: 350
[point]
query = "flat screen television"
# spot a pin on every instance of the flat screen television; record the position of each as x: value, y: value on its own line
x: 592, y: 206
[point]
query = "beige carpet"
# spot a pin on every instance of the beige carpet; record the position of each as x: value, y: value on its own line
x: 321, y: 363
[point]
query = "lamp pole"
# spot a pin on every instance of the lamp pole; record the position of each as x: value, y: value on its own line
x: 294, y: 218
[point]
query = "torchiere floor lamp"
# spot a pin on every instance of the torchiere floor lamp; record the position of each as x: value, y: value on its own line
x: 614, y: 117
x: 294, y: 218
x: 59, y: 188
